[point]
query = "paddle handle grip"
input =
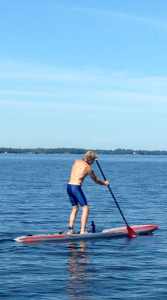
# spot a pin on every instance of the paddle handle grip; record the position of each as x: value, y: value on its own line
x: 111, y: 192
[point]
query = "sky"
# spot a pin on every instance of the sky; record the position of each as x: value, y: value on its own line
x: 86, y: 74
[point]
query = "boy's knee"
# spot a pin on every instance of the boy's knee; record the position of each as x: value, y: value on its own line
x: 86, y: 208
x: 76, y: 208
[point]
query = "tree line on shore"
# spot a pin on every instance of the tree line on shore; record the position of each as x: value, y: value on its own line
x: 79, y: 151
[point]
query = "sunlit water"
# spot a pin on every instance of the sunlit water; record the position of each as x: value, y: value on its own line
x: 34, y: 200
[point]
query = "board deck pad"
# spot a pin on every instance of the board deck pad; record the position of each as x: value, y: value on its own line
x: 107, y: 233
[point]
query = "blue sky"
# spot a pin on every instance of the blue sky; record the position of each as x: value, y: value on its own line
x: 83, y: 73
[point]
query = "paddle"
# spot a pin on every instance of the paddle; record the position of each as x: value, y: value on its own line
x: 131, y: 232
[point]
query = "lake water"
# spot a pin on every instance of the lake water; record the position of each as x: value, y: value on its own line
x: 34, y: 200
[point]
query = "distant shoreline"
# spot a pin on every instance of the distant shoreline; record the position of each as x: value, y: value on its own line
x: 79, y: 151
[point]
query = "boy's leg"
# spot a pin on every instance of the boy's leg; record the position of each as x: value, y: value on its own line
x: 84, y: 217
x: 72, y: 218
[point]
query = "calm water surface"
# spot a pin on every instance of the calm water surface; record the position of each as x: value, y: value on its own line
x: 34, y: 200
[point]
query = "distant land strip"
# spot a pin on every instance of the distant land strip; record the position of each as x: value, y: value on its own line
x: 79, y: 151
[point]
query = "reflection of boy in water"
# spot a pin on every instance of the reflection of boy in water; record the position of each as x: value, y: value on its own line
x: 77, y: 264
x: 80, y: 170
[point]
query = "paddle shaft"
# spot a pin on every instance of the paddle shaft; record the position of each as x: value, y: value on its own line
x: 111, y: 192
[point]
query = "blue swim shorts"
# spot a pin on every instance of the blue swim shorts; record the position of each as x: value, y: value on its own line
x: 76, y: 195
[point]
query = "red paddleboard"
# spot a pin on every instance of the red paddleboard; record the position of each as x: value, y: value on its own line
x: 107, y: 233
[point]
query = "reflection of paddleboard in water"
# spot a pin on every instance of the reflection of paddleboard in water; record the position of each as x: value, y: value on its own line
x: 107, y: 233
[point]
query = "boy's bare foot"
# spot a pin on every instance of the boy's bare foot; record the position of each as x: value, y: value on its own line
x: 84, y: 232
x: 71, y: 231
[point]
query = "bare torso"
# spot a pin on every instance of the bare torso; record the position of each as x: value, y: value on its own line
x: 79, y: 171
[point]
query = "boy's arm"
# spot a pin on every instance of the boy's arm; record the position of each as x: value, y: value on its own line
x: 97, y: 180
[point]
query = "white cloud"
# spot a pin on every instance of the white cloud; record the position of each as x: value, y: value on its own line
x: 33, y: 72
x: 58, y: 106
x: 135, y: 18
x: 49, y: 86
x: 25, y: 93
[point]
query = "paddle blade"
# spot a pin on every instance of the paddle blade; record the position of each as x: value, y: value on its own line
x: 131, y: 232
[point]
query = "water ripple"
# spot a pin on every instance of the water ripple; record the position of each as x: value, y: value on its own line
x: 34, y: 200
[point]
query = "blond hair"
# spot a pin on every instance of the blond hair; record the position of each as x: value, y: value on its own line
x: 90, y: 154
